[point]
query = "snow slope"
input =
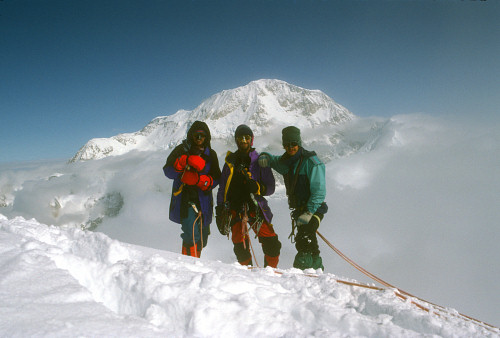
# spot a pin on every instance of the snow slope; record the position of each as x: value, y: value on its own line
x: 60, y: 282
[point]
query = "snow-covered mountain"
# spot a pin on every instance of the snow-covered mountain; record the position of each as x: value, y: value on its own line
x: 265, y: 105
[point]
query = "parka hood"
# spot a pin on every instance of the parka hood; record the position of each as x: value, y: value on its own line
x: 199, y: 125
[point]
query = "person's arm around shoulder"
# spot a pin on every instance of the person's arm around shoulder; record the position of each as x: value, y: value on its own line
x: 272, y: 161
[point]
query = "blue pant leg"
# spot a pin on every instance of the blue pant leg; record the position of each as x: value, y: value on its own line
x: 187, y: 228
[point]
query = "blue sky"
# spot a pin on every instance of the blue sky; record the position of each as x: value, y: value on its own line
x: 75, y: 70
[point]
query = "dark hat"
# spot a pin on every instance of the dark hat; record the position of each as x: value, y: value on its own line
x: 241, y: 130
x: 291, y: 134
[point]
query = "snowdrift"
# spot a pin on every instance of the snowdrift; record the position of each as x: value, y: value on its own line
x: 57, y: 281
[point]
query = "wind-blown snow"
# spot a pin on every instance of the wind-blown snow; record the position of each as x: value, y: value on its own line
x: 68, y: 282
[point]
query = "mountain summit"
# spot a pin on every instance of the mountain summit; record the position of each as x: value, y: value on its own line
x: 265, y: 105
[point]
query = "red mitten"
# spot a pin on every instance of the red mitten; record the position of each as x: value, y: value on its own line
x: 205, y: 182
x: 190, y: 177
x: 180, y: 163
x: 196, y: 162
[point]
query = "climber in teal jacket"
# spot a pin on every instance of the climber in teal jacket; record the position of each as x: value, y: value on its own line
x: 304, y: 176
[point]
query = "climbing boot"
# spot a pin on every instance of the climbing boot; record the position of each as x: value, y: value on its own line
x: 317, y: 262
x: 303, y: 260
x: 271, y: 261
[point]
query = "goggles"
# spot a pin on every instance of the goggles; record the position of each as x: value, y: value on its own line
x: 199, y: 136
x: 247, y: 138
x: 290, y: 144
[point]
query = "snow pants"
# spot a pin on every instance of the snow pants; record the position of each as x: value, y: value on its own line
x: 194, y: 236
x: 271, y: 246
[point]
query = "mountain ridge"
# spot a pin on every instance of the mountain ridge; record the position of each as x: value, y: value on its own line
x: 264, y: 105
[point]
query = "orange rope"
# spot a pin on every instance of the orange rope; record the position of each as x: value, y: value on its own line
x: 201, y: 229
x: 398, y: 292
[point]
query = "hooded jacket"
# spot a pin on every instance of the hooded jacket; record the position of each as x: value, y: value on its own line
x: 202, y: 199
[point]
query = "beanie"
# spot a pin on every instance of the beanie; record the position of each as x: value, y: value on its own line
x: 243, y: 129
x: 291, y: 134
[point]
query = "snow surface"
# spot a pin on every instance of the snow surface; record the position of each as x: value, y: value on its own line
x: 62, y: 282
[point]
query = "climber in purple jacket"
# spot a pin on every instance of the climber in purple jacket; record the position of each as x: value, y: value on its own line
x: 194, y: 167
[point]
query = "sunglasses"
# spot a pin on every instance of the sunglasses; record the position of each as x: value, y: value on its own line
x: 199, y: 136
x: 247, y: 138
x: 290, y: 144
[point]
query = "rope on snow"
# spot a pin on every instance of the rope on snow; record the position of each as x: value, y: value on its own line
x: 401, y: 293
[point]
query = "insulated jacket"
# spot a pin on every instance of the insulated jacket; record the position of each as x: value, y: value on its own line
x: 263, y: 176
x: 202, y: 199
x: 309, y: 191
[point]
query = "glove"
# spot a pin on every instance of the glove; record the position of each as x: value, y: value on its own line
x: 313, y: 225
x: 219, y: 220
x: 251, y: 186
x: 190, y: 177
x: 264, y: 160
x: 205, y: 182
x: 304, y: 218
x: 180, y: 163
x: 196, y: 162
